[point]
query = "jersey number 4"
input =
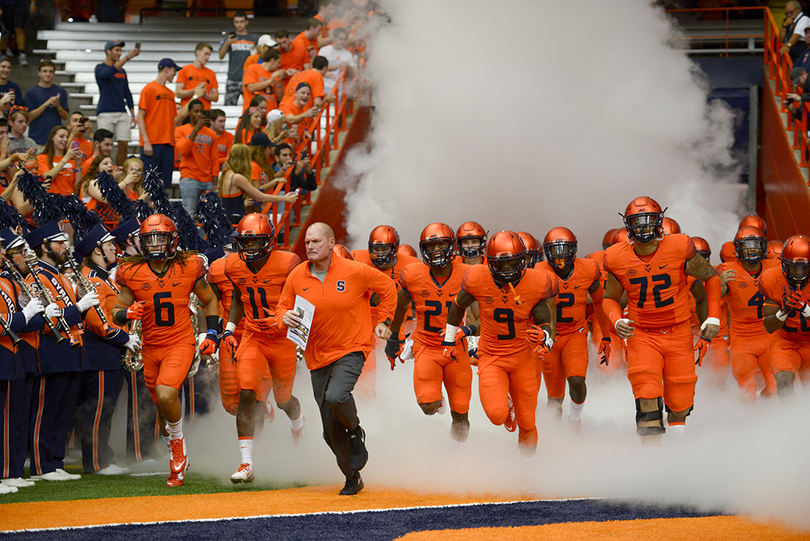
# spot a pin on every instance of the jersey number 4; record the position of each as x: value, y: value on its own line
x: 660, y: 283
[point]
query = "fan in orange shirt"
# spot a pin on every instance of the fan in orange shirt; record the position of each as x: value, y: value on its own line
x: 653, y: 270
x: 314, y: 78
x: 155, y: 289
x: 750, y: 342
x: 787, y: 315
x: 298, y: 113
x: 309, y: 38
x: 294, y: 58
x: 514, y: 307
x: 56, y: 162
x: 263, y: 80
x: 568, y: 359
x: 196, y: 74
x: 431, y: 286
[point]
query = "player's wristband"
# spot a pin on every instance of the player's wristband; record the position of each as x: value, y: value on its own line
x: 212, y: 322
x: 710, y: 321
x: 120, y: 317
x: 231, y: 326
x: 781, y: 315
x: 450, y: 332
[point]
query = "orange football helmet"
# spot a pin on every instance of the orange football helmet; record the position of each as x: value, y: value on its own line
x: 471, y: 230
x: 342, y: 251
x: 643, y: 219
x: 560, y: 246
x: 607, y: 240
x: 254, y: 237
x: 750, y: 245
x: 756, y: 221
x: 796, y: 260
x: 159, y: 237
x: 774, y: 250
x: 670, y: 226
x: 728, y: 252
x: 533, y: 253
x: 437, y: 244
x: 383, y: 243
x: 620, y: 237
x: 506, y: 258
x: 406, y: 249
x: 702, y: 247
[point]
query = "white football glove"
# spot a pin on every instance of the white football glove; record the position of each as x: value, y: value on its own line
x: 407, y: 350
x: 88, y: 301
x: 53, y: 310
x: 133, y: 342
x: 33, y: 308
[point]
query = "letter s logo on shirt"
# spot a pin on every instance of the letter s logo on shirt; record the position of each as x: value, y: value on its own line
x: 341, y: 286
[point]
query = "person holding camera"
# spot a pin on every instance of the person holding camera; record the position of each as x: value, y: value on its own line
x: 115, y: 97
x: 199, y: 158
x: 238, y: 47
x: 795, y: 102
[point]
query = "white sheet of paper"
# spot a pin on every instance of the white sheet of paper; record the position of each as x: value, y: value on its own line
x: 300, y: 334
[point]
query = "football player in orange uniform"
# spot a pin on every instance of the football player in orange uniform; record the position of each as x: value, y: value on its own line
x: 432, y: 286
x: 568, y: 359
x: 750, y: 342
x: 258, y: 273
x: 787, y: 315
x: 534, y: 252
x: 653, y: 270
x: 754, y: 221
x: 610, y: 363
x: 156, y: 288
x: 515, y: 314
x: 382, y: 254
x: 471, y: 243
x: 774, y: 250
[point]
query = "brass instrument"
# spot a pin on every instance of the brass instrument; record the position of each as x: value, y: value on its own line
x: 31, y: 262
x: 132, y: 359
x: 195, y: 326
x: 18, y: 279
x: 89, y: 287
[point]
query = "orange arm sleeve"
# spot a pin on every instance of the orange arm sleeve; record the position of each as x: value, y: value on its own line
x: 713, y: 293
x: 612, y: 309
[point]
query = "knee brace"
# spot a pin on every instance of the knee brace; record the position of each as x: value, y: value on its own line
x: 650, y: 423
x: 685, y: 413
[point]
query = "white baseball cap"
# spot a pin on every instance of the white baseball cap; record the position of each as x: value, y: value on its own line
x: 274, y: 115
x: 266, y: 40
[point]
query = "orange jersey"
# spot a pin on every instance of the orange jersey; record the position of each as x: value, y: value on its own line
x: 199, y: 159
x: 224, y: 144
x: 403, y: 260
x: 158, y: 103
x: 656, y: 286
x: 216, y: 276
x: 342, y: 320
x: 506, y: 313
x: 259, y: 291
x: 65, y: 180
x: 599, y: 257
x: 432, y: 298
x: 573, y: 293
x: 310, y: 45
x: 256, y: 73
x: 166, y: 316
x: 191, y: 77
x: 315, y: 81
x: 773, y: 285
x: 744, y: 300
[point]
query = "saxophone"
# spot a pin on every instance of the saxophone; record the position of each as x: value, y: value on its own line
x: 89, y: 287
x: 193, y: 302
x: 131, y: 359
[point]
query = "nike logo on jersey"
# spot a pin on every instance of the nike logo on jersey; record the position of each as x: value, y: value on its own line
x: 176, y: 284
x: 306, y: 288
x: 577, y: 287
x: 662, y: 266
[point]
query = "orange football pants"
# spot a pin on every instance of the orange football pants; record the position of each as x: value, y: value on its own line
x: 748, y: 353
x: 568, y: 357
x: 791, y: 355
x: 167, y: 366
x: 229, y: 382
x: 661, y: 362
x: 501, y: 377
x: 431, y: 369
x: 258, y: 353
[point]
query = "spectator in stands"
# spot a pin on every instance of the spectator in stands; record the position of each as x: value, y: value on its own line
x: 133, y: 177
x: 803, y: 61
x: 234, y: 184
x: 294, y: 58
x: 57, y: 162
x: 308, y: 39
x: 276, y: 129
x: 87, y: 187
x: 199, y: 161
x: 264, y: 80
x: 262, y: 174
x: 326, y: 10
x: 265, y: 42
x: 238, y: 46
x: 249, y: 125
x: 88, y: 191
x: 792, y: 31
x: 224, y: 138
x: 302, y: 175
x: 76, y: 125
x: 7, y: 86
x: 17, y: 124
x: 314, y: 78
x: 102, y: 146
x: 196, y: 74
x: 14, y: 15
x: 338, y: 57
x: 47, y: 104
x: 115, y: 97
x: 157, y: 118
x: 299, y: 114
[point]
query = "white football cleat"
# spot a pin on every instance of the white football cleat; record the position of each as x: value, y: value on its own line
x: 243, y: 475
